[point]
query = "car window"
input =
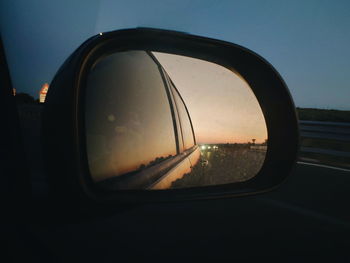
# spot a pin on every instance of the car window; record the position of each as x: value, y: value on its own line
x: 128, y: 117
x: 185, y: 122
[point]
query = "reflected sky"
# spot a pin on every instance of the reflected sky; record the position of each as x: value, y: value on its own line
x: 223, y: 108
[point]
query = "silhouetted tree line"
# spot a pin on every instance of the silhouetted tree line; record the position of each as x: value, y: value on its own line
x: 310, y: 114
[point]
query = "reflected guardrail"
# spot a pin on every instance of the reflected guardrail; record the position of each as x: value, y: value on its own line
x: 259, y: 148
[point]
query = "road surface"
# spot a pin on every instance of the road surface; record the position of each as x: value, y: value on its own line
x: 307, y: 216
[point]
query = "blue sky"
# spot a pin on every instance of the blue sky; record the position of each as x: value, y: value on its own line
x: 306, y: 41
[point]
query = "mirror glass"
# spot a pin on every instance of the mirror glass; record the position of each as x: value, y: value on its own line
x: 158, y: 121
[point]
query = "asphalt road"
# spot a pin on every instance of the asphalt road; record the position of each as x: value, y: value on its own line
x: 306, y: 219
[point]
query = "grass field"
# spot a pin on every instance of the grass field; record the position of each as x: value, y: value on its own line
x: 227, y: 164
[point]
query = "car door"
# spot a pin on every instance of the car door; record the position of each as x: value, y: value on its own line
x: 133, y: 137
x: 186, y: 140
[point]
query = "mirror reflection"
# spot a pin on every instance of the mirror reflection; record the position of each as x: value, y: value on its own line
x: 159, y: 121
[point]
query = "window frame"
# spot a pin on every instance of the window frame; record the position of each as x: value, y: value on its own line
x: 173, y: 108
x: 173, y: 86
x: 177, y: 116
x: 168, y: 82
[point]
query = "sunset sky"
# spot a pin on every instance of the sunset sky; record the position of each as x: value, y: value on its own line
x: 221, y: 105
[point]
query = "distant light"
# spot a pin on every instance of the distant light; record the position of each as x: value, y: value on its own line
x: 43, y: 92
x: 100, y: 34
x: 203, y: 147
x: 209, y: 147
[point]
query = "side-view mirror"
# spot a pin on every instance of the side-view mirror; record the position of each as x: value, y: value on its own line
x: 146, y: 115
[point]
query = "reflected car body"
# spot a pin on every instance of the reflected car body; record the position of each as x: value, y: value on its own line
x: 185, y: 166
x: 139, y: 131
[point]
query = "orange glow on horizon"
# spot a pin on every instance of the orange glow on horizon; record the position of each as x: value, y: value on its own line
x: 222, y: 106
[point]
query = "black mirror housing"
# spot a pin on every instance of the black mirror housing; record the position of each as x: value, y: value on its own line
x: 70, y: 182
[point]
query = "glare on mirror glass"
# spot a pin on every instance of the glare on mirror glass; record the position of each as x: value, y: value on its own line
x: 160, y: 121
